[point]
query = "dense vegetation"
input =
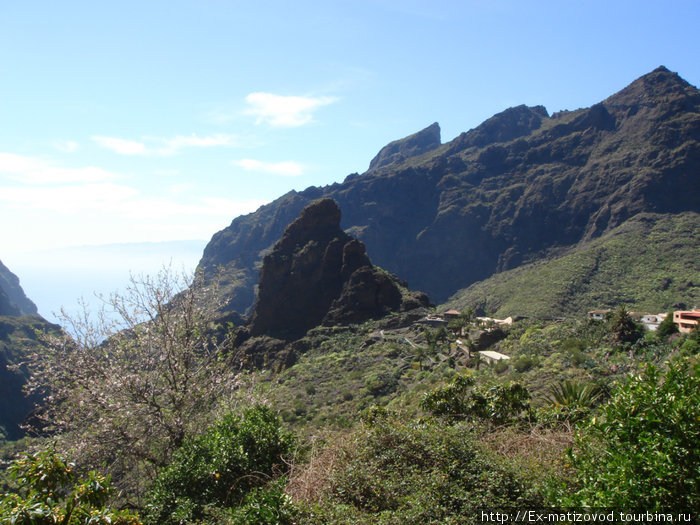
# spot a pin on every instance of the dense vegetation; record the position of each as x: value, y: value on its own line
x: 394, y: 423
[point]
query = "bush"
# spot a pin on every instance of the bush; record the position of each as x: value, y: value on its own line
x: 460, y: 399
x: 265, y: 506
x: 643, y: 451
x: 523, y: 363
x: 667, y: 327
x: 399, y: 471
x: 47, y: 490
x: 220, y: 467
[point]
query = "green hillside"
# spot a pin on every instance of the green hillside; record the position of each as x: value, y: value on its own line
x: 18, y: 337
x: 650, y: 263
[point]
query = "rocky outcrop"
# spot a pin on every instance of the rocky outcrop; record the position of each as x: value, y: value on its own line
x: 13, y: 301
x: 425, y: 140
x: 318, y: 274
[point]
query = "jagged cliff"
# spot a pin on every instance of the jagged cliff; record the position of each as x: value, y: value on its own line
x: 318, y: 274
x: 523, y: 183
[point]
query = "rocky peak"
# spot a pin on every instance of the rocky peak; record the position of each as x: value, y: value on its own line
x: 319, y: 222
x: 659, y: 87
x: 13, y: 301
x: 317, y: 274
x: 504, y: 126
x: 411, y: 146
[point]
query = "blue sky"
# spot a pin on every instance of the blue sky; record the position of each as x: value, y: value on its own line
x: 132, y: 122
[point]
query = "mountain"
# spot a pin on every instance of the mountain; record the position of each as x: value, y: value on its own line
x: 318, y: 274
x: 522, y: 186
x: 648, y: 263
x: 13, y: 301
x: 19, y: 325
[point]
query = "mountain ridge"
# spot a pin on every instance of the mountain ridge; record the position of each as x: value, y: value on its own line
x: 500, y: 195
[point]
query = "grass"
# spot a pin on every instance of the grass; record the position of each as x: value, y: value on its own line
x: 648, y: 264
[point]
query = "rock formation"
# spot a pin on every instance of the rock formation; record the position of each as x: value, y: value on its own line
x: 425, y: 140
x: 318, y: 274
x: 19, y: 324
x: 13, y: 300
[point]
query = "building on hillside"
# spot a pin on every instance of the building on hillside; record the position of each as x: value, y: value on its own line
x: 433, y: 320
x: 452, y: 314
x: 492, y: 357
x: 486, y: 320
x: 686, y: 320
x: 652, y: 321
x: 598, y: 315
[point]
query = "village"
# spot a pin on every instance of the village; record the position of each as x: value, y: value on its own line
x: 685, y: 320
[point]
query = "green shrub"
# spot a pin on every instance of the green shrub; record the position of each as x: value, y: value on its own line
x: 264, y: 506
x: 667, y: 327
x: 220, y: 467
x: 643, y: 451
x: 523, y: 363
x: 500, y: 366
x: 381, y: 383
x: 405, y: 471
x: 47, y: 490
x: 569, y: 401
x: 460, y: 399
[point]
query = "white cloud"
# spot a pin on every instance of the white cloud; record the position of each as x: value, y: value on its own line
x: 283, y: 111
x: 163, y: 146
x: 66, y: 146
x: 35, y: 171
x: 286, y: 169
x: 122, y: 146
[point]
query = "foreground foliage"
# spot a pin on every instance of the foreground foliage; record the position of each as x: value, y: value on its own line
x: 220, y: 468
x: 48, y: 491
x: 643, y: 450
x: 402, y: 470
x: 124, y: 391
x: 498, y: 404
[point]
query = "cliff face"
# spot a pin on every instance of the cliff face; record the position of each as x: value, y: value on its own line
x: 316, y: 273
x: 19, y: 324
x: 13, y: 301
x: 506, y: 193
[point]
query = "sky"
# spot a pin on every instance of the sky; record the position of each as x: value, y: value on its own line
x: 124, y: 123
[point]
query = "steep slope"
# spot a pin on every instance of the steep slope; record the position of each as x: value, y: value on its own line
x: 13, y: 300
x: 649, y: 263
x: 19, y: 325
x: 506, y: 193
x: 318, y: 274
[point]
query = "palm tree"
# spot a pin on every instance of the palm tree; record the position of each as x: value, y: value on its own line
x: 573, y: 395
x: 624, y: 329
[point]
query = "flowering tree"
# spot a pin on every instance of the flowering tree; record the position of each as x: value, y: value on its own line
x: 124, y: 391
